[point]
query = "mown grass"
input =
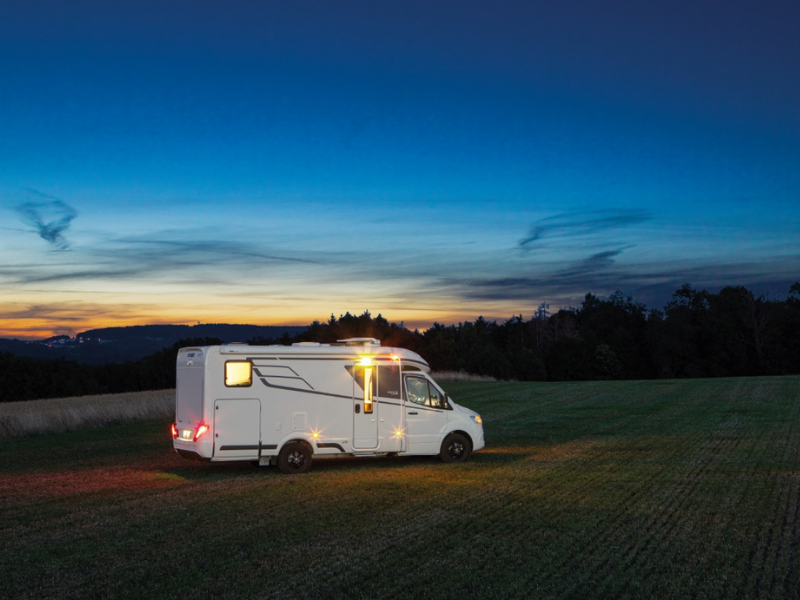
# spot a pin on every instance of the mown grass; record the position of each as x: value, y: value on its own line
x: 666, y: 489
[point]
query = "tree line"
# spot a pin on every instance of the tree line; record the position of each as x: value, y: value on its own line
x: 23, y: 378
x: 697, y: 334
x: 734, y: 332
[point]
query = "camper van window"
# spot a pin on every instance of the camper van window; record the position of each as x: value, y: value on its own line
x: 417, y: 388
x: 389, y: 383
x: 369, y: 386
x: 365, y: 379
x: 421, y: 391
x: 436, y: 396
x: 238, y: 373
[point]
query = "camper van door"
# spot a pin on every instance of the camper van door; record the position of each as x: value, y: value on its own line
x: 237, y: 428
x: 365, y: 407
x: 425, y: 414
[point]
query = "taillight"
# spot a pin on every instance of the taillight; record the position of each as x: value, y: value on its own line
x: 201, y: 429
x: 174, y: 430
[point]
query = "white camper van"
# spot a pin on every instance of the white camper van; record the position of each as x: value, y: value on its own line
x: 286, y: 404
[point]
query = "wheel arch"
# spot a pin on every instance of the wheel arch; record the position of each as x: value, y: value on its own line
x: 462, y: 432
x: 301, y: 439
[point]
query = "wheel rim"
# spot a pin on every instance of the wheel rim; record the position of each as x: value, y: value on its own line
x: 296, y: 459
x: 456, y: 449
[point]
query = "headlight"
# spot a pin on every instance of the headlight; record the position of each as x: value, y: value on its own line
x: 477, y: 419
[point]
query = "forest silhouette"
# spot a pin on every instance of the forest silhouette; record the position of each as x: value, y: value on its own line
x: 731, y: 333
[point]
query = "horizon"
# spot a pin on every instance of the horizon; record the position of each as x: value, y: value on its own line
x: 264, y: 163
x: 421, y: 326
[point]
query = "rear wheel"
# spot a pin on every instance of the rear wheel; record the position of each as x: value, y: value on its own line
x: 455, y: 448
x: 294, y: 458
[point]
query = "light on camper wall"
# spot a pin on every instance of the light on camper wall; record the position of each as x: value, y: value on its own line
x: 398, y: 433
x: 366, y: 361
x: 395, y: 358
x: 315, y: 435
x: 368, y: 390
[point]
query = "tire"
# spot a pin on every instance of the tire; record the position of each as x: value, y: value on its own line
x: 294, y: 457
x: 455, y: 448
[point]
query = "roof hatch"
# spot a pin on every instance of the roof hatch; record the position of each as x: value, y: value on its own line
x: 360, y: 341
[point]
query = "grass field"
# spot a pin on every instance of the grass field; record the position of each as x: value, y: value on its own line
x: 666, y: 489
x: 55, y: 415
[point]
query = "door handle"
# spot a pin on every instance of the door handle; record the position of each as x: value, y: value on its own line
x: 358, y: 408
x: 413, y: 413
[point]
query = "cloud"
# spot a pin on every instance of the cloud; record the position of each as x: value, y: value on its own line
x: 49, y: 216
x: 576, y: 276
x: 200, y: 252
x: 650, y: 283
x: 582, y: 223
x: 157, y: 254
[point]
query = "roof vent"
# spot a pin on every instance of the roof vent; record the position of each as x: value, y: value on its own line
x: 360, y: 342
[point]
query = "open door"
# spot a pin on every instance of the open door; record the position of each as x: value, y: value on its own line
x: 391, y: 422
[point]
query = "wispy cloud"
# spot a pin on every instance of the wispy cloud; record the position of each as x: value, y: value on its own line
x: 156, y: 254
x: 570, y: 279
x: 650, y: 283
x: 582, y: 223
x: 49, y: 216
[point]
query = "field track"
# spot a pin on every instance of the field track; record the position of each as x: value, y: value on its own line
x: 663, y: 489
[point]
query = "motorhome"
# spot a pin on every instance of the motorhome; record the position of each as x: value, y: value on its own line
x: 289, y: 405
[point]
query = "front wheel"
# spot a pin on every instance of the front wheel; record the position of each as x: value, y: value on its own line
x: 294, y: 458
x: 455, y: 448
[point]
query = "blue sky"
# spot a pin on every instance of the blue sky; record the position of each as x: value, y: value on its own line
x: 275, y: 162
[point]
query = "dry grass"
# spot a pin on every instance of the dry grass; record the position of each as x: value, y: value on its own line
x: 55, y: 415
x: 460, y: 376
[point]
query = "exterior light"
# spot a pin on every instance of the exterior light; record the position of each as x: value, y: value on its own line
x: 315, y: 435
x: 174, y: 429
x: 201, y: 429
x: 398, y: 433
x: 366, y: 361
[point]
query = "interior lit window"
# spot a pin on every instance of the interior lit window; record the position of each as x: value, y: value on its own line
x: 238, y: 373
x: 368, y: 390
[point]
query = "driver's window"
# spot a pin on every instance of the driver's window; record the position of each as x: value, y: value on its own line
x: 417, y: 389
x: 435, y: 397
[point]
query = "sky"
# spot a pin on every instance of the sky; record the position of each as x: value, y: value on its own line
x: 267, y: 162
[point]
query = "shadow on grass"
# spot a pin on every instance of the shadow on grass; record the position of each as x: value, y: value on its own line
x: 199, y: 471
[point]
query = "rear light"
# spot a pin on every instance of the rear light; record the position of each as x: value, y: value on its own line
x: 189, y: 435
x: 201, y: 429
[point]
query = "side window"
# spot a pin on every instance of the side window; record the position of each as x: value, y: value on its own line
x: 417, y: 389
x: 369, y: 388
x: 238, y: 373
x: 436, y: 400
x: 389, y: 383
x: 365, y: 379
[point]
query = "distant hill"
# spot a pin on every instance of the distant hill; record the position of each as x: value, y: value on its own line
x: 121, y: 344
